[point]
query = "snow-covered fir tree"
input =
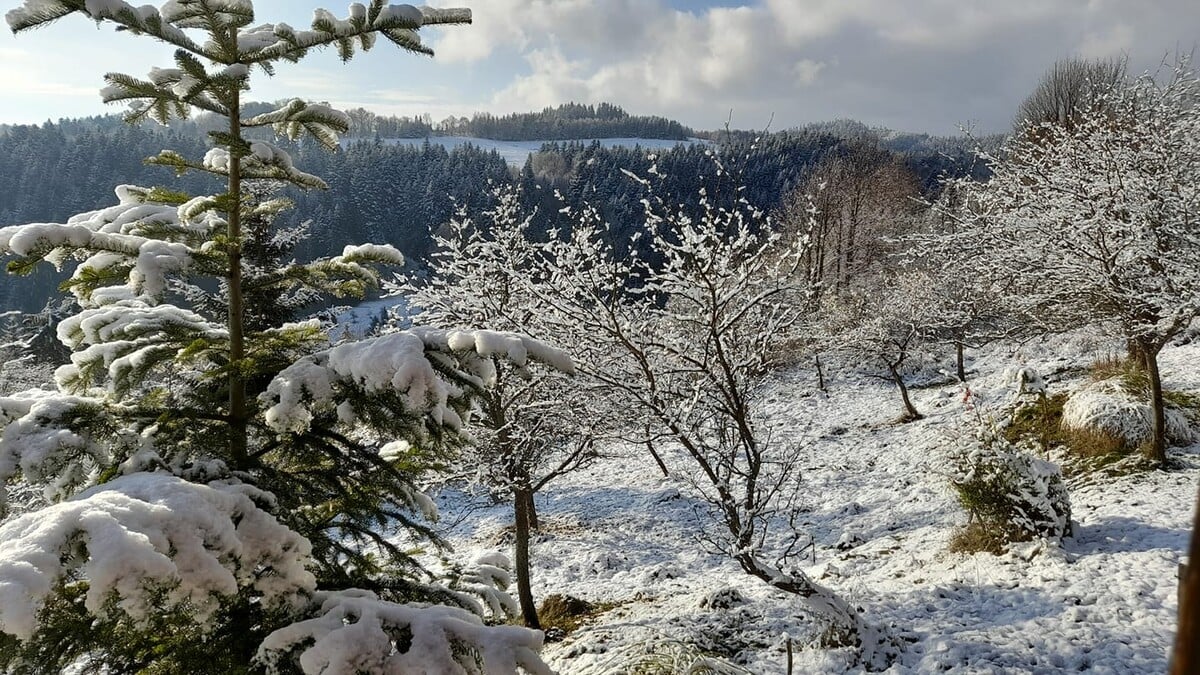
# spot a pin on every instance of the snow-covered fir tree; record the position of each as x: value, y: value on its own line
x: 221, y: 493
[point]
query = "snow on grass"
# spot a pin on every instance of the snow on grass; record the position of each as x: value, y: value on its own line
x: 1109, y: 407
x: 619, y: 532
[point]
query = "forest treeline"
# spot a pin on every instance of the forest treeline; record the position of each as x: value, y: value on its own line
x: 569, y: 121
x: 399, y: 194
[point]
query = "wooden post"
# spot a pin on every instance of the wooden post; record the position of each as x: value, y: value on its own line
x: 1185, y: 659
x: 1181, y: 576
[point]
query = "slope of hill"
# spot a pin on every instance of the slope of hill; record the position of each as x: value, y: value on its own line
x: 880, y: 514
x: 516, y: 152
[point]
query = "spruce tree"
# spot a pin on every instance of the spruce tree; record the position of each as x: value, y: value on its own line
x: 223, y: 493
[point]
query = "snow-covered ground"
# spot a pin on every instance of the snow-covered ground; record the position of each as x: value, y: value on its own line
x: 516, y: 152
x: 619, y: 532
x: 359, y: 319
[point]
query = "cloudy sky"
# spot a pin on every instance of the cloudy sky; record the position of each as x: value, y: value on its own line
x: 915, y: 65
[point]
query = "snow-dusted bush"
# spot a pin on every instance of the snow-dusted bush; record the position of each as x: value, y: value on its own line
x: 356, y: 632
x: 1009, y: 494
x: 1109, y: 407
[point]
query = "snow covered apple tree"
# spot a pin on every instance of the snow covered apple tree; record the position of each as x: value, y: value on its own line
x: 1095, y: 223
x: 884, y: 324
x: 682, y: 327
x: 536, y: 423
x: 219, y: 493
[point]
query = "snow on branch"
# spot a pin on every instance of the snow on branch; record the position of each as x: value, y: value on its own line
x: 147, y: 19
x: 395, y: 363
x: 124, y: 236
x: 264, y: 161
x: 128, y: 337
x: 397, y: 23
x: 399, y: 364
x: 385, y: 254
x: 139, y: 535
x: 296, y: 116
x: 357, y: 632
x: 518, y: 350
x: 45, y: 439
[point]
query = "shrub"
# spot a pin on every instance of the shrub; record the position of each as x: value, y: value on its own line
x: 1089, y: 443
x: 561, y: 615
x: 1037, y: 421
x: 1113, y: 365
x: 1009, y: 494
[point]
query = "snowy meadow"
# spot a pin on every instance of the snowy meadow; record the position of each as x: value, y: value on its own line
x: 881, y: 515
x: 879, y: 425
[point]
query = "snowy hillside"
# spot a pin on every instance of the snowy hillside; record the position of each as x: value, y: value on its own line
x: 880, y: 513
x: 516, y: 152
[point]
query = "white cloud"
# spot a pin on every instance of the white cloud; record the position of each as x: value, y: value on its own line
x: 22, y: 75
x: 58, y: 71
x: 924, y: 65
x: 919, y: 64
x: 806, y: 71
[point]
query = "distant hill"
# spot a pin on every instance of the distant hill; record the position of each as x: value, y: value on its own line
x: 388, y: 186
x: 515, y: 153
x: 567, y: 122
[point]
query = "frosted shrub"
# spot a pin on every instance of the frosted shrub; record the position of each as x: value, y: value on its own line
x: 1010, y: 495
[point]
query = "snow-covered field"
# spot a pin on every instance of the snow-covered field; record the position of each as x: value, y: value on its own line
x: 516, y: 152
x: 621, y: 533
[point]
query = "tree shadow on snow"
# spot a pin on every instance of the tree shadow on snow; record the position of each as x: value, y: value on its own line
x: 1121, y: 534
x: 987, y: 628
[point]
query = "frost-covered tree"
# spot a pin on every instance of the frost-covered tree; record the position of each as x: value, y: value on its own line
x: 33, y: 337
x: 684, y: 334
x: 883, y: 325
x: 536, y: 424
x: 1095, y: 223
x: 222, y: 493
x: 965, y: 308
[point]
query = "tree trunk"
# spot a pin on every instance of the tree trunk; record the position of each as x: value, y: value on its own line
x: 958, y: 361
x: 820, y: 373
x: 522, y: 499
x: 1157, y: 452
x: 662, y: 466
x: 531, y: 510
x: 1185, y: 659
x: 1137, y: 353
x: 909, y: 409
x: 238, y: 408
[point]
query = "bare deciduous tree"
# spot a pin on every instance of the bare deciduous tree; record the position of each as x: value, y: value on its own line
x: 685, y: 342
x: 881, y: 324
x: 537, y: 424
x: 861, y: 198
x: 1069, y: 90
